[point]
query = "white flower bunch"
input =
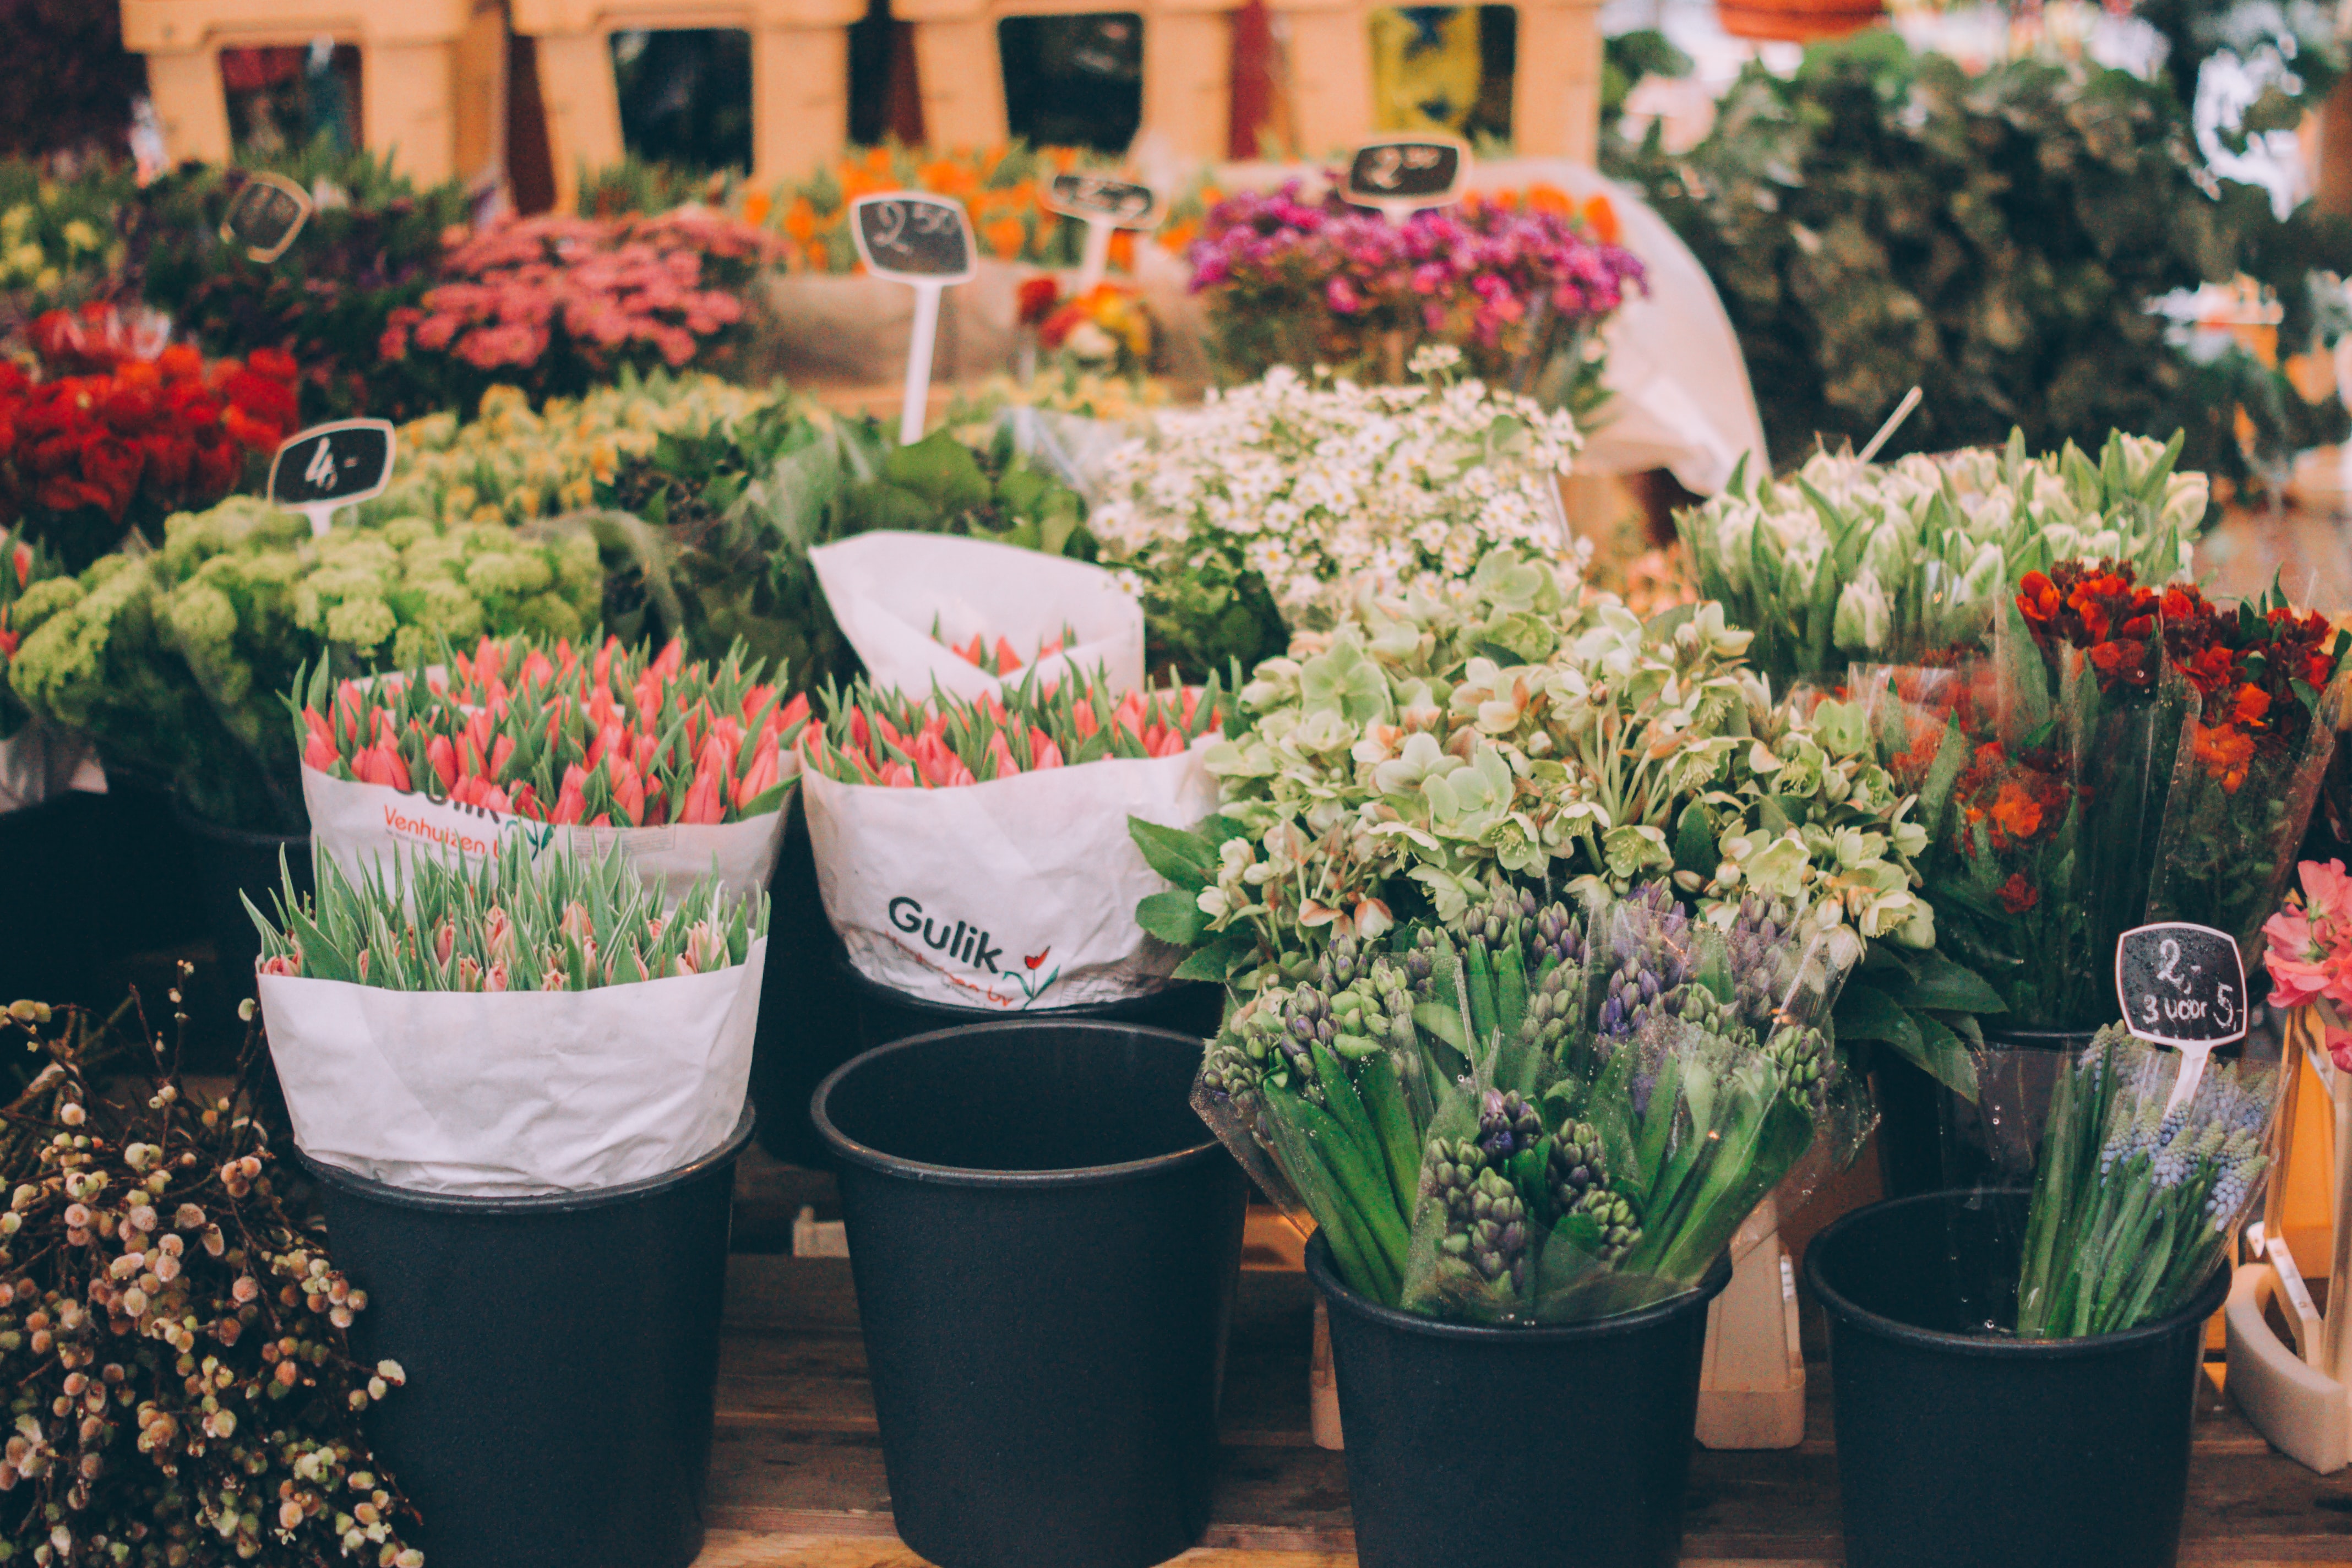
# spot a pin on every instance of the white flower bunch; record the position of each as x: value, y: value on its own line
x: 1322, y: 486
x: 1845, y: 560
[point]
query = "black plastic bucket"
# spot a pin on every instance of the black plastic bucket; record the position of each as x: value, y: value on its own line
x: 562, y: 1354
x: 1045, y: 1241
x: 231, y: 864
x: 808, y: 1023
x: 1471, y: 1446
x: 1958, y: 1449
x: 1931, y: 1139
x: 1189, y: 1008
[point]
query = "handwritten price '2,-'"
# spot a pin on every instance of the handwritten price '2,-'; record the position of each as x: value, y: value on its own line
x: 1387, y: 166
x: 2160, y: 1013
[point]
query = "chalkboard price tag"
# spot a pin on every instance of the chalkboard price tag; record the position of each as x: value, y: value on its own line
x: 911, y: 237
x: 1402, y: 174
x: 2181, y: 985
x: 329, y: 467
x: 1097, y: 198
x: 264, y: 216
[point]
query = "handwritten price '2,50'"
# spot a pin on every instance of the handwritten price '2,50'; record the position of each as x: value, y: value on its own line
x: 891, y: 219
x: 1389, y: 162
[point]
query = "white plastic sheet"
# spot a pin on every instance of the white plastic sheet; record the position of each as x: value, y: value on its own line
x: 515, y: 1093
x: 887, y: 590
x: 1007, y: 895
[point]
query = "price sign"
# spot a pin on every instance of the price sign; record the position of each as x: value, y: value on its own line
x: 1402, y: 174
x: 2184, y: 985
x: 1106, y: 205
x: 915, y: 238
x: 329, y: 467
x: 924, y: 242
x: 264, y: 216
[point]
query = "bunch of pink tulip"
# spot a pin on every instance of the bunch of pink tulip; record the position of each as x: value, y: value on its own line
x: 616, y: 739
x: 889, y: 739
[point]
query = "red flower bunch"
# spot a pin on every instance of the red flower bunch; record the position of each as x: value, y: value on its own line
x: 84, y: 457
x: 942, y: 742
x: 2101, y: 609
x: 615, y: 740
x: 558, y: 303
x: 2255, y: 671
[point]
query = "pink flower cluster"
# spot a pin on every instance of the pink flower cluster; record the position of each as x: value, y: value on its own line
x: 608, y: 288
x: 1466, y: 272
x: 2310, y: 949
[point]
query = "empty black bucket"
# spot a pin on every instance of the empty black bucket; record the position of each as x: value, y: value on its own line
x: 1189, y: 1008
x: 1045, y: 1241
x: 1958, y: 1450
x: 1471, y: 1446
x: 562, y: 1354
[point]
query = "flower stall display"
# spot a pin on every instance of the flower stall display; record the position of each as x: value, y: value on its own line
x: 2136, y: 1202
x: 58, y: 237
x: 934, y: 612
x: 1299, y: 492
x: 148, y: 1231
x: 509, y: 462
x: 687, y: 767
x: 1106, y: 331
x: 2127, y: 756
x: 510, y: 1023
x: 371, y: 247
x: 1851, y: 562
x: 1395, y: 764
x: 177, y: 662
x: 1531, y: 1113
x: 976, y: 853
x: 85, y: 458
x: 557, y: 305
x: 1519, y: 284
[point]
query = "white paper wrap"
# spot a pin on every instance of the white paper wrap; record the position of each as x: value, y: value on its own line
x: 1007, y: 895
x: 519, y: 1092
x: 359, y: 824
x: 886, y: 589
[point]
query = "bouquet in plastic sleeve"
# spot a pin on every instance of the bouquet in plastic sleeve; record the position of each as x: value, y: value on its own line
x: 977, y: 852
x: 909, y: 605
x: 687, y: 767
x: 2135, y: 1200
x: 1533, y: 1113
x: 509, y: 1024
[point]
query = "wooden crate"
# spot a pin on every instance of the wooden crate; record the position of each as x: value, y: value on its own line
x: 432, y: 81
x: 800, y: 77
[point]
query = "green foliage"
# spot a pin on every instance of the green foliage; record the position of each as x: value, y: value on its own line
x: 1884, y: 219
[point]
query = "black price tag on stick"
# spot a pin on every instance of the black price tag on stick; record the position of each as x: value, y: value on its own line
x: 2182, y: 986
x: 1402, y: 174
x: 911, y: 237
x: 264, y: 216
x: 1098, y: 198
x: 329, y: 467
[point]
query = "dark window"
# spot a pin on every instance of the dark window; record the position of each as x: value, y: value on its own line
x: 282, y: 100
x: 1074, y: 82
x: 686, y: 96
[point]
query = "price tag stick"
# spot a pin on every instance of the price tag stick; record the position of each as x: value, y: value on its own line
x: 916, y: 404
x: 1095, y: 265
x: 1105, y: 205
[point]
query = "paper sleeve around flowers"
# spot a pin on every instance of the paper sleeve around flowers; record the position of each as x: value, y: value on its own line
x: 1009, y: 894
x: 518, y: 1092
x: 886, y: 590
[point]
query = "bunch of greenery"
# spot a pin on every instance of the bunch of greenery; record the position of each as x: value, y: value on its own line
x: 174, y: 662
x: 174, y: 1333
x: 371, y: 246
x: 1456, y: 732
x: 58, y: 237
x: 1882, y: 219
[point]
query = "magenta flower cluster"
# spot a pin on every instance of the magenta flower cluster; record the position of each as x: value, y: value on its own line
x: 1471, y: 275
x: 524, y: 292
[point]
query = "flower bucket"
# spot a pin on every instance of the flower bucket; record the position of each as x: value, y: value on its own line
x: 562, y: 1419
x: 1191, y: 1008
x: 1436, y: 1482
x: 1046, y: 1243
x: 1957, y: 1448
x: 1931, y: 1140
x: 231, y: 864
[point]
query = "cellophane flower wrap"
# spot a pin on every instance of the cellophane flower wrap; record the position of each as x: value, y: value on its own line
x: 1518, y: 284
x: 1537, y: 1112
x: 510, y: 1022
x: 2136, y: 1202
x: 1847, y: 562
x: 85, y: 458
x: 687, y: 767
x: 976, y: 853
x: 1302, y: 489
x: 556, y: 305
x: 178, y: 661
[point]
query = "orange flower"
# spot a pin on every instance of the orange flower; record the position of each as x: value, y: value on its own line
x: 2226, y: 752
x: 948, y: 178
x: 1601, y: 218
x: 1064, y: 159
x: 800, y: 220
x: 755, y: 207
x: 1543, y: 199
x: 1122, y: 250
x: 877, y: 161
x: 2037, y: 598
x: 2015, y: 811
x: 1005, y: 237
